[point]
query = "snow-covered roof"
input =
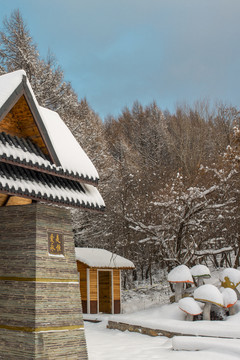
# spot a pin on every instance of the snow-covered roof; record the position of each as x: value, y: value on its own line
x: 64, y: 174
x: 100, y: 258
x: 69, y: 153
x: 180, y: 273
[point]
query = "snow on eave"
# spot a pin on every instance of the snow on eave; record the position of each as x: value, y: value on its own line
x: 70, y: 154
x: 101, y: 258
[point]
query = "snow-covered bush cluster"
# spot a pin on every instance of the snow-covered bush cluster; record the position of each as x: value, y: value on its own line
x: 201, y: 300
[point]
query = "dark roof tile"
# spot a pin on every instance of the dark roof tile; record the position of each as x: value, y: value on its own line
x: 23, y: 151
x: 16, y: 180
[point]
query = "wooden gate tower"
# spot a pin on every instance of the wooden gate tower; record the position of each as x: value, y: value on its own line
x: 40, y: 162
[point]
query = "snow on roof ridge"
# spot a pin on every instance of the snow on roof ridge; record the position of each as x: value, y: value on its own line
x: 15, y: 73
x: 8, y: 83
x: 101, y: 258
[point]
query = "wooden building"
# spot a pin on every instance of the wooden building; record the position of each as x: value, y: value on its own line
x: 40, y: 162
x: 100, y: 279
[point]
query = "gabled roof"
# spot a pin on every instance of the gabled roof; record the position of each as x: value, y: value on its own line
x: 14, y: 87
x: 63, y: 148
x: 100, y: 258
x: 35, y: 141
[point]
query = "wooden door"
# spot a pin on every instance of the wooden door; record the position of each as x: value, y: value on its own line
x: 105, y: 291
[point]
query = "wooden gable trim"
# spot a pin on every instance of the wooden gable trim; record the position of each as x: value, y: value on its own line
x: 11, y: 101
x: 39, y: 122
x: 23, y: 89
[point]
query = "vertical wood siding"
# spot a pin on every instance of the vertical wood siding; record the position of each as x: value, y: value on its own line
x: 116, y: 284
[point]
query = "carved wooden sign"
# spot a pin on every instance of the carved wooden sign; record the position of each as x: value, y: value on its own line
x: 55, y: 243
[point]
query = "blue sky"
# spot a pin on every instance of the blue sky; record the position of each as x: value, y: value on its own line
x: 115, y: 52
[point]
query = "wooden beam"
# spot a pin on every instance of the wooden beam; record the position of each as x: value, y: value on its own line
x: 4, y: 199
x: 16, y: 200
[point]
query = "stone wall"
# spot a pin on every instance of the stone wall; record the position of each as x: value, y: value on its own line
x: 40, y: 306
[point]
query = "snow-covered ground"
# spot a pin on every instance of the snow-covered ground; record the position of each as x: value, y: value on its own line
x: 148, y: 306
x: 106, y: 344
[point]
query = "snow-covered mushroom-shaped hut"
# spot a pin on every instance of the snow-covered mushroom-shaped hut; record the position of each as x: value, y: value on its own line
x: 100, y: 279
x: 230, y: 278
x: 209, y: 295
x: 190, y: 306
x: 179, y: 276
x: 199, y: 273
x: 40, y: 161
x: 229, y: 299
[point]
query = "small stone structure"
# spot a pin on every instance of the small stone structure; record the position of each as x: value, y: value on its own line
x: 40, y: 161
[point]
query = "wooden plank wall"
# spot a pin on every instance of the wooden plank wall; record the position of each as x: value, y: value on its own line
x: 93, y: 284
x: 82, y: 269
x: 116, y: 284
x: 93, y: 291
x: 93, y: 287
